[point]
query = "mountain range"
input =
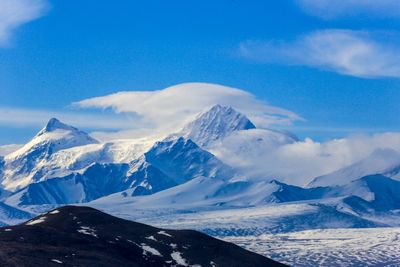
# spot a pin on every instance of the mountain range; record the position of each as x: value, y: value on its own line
x: 180, y: 180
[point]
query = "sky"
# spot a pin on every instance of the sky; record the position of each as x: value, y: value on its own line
x: 330, y: 68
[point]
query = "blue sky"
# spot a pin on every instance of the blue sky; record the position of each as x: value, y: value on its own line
x: 67, y: 51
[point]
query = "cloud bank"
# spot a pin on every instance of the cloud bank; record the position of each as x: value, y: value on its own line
x: 301, y: 161
x: 355, y: 53
x: 330, y: 9
x: 14, y: 13
x: 169, y: 109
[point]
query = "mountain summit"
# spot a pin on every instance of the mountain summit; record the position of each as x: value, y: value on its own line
x: 216, y: 123
x: 54, y: 124
x: 21, y: 166
x: 57, y: 133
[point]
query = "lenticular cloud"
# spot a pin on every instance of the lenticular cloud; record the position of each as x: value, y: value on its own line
x: 172, y: 107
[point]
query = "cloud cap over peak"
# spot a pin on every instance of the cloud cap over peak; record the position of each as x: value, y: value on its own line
x: 170, y: 108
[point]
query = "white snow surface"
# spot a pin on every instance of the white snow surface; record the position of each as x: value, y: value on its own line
x: 37, y: 221
x: 239, y: 221
x: 54, y: 212
x: 328, y: 247
x: 86, y: 230
x: 164, y: 233
x: 148, y: 249
x: 178, y: 258
x: 199, y: 192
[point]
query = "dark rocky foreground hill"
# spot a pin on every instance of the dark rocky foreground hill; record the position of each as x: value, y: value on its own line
x: 82, y: 236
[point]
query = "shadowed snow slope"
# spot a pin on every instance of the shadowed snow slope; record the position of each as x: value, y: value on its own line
x: 168, y: 163
x: 10, y: 215
x: 372, y: 193
x: 375, y: 192
x: 357, y: 204
x: 81, y: 236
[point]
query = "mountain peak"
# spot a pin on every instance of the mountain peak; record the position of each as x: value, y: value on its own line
x: 216, y: 123
x: 55, y: 124
x: 62, y: 134
x: 220, y: 108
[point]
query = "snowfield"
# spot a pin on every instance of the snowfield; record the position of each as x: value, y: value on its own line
x: 328, y: 247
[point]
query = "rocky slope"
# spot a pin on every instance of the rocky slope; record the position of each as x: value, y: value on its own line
x: 81, y: 236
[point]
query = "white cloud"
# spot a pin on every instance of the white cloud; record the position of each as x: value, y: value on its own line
x: 299, y: 162
x: 20, y: 117
x: 14, y: 13
x: 355, y: 53
x: 329, y: 9
x: 166, y: 110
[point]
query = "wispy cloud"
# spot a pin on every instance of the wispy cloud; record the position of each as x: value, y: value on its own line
x: 329, y: 9
x: 168, y: 109
x: 22, y: 117
x: 14, y: 13
x: 355, y: 53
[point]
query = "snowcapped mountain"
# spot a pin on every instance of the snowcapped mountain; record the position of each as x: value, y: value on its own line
x: 209, y: 169
x: 235, y: 140
x: 381, y: 161
x: 59, y: 150
x: 168, y: 163
x: 373, y: 192
x: 215, y: 124
x: 24, y: 165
